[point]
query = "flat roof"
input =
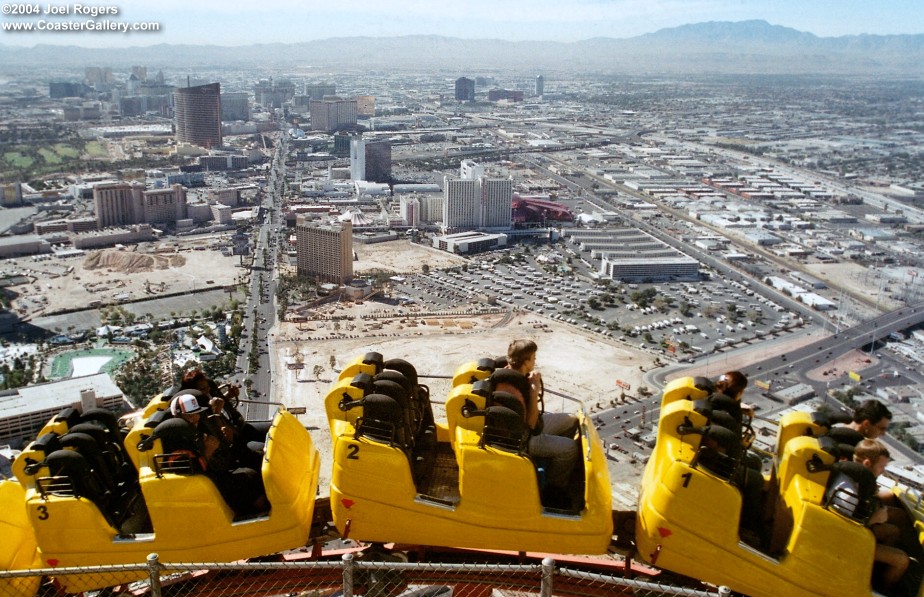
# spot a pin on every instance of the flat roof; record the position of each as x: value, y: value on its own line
x: 56, y: 394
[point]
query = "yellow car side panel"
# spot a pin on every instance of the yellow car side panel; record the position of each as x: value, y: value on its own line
x: 191, y: 521
x: 18, y: 549
x: 688, y: 521
x: 373, y: 498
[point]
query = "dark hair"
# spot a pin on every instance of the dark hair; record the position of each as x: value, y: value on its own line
x: 731, y: 383
x: 871, y: 449
x: 872, y: 411
x: 191, y: 378
x: 518, y: 351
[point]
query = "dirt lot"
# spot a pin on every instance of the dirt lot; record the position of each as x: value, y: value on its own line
x: 402, y: 256
x: 572, y: 362
x: 111, y: 274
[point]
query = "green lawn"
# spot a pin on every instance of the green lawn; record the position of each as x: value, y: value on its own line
x: 49, y: 156
x: 95, y: 150
x: 66, y: 151
x: 18, y: 160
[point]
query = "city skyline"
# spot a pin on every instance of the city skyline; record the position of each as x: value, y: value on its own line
x: 213, y: 23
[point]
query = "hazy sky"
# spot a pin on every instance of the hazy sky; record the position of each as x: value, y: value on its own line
x: 233, y: 22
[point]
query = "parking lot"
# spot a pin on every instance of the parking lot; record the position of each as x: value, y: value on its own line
x: 681, y: 318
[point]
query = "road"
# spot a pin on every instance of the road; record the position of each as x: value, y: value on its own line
x: 260, y: 312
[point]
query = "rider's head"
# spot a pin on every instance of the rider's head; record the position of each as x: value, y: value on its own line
x: 732, y: 383
x: 521, y: 354
x: 872, y: 419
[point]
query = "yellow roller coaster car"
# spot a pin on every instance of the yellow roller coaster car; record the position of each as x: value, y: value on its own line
x: 83, y: 513
x: 468, y: 482
x: 688, y: 518
x: 18, y: 550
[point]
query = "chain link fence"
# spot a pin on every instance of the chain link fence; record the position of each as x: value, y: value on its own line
x: 369, y: 575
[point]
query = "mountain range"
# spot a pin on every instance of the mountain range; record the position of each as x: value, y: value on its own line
x: 744, y: 47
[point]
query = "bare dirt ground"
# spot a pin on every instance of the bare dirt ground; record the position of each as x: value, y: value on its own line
x: 112, y: 274
x: 573, y: 363
x: 402, y: 256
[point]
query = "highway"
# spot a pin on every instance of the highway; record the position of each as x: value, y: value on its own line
x: 260, y: 312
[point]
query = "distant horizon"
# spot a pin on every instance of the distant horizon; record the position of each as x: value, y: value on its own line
x: 213, y: 22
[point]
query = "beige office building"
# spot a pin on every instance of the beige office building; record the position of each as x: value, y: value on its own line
x: 324, y: 250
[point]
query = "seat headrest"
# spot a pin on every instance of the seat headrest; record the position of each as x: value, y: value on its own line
x: 703, y: 383
x: 362, y: 381
x: 46, y: 443
x: 94, y: 429
x: 404, y: 368
x: 176, y: 434
x: 505, y: 429
x: 67, y: 463
x: 514, y: 378
x: 83, y: 442
x: 391, y: 389
x: 845, y: 435
x: 373, y: 358
x: 381, y: 407
x: 70, y: 415
x: 486, y: 364
x: 396, y: 377
x: 105, y: 417
x: 482, y: 388
x: 508, y: 400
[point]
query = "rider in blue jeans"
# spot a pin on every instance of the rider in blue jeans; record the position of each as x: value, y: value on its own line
x: 552, y: 435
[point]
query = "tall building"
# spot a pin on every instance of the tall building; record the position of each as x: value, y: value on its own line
x: 410, y: 210
x: 378, y: 161
x: 272, y: 94
x: 331, y: 115
x: 462, y: 202
x: 431, y: 207
x: 317, y: 91
x: 342, y: 142
x: 140, y: 72
x: 470, y: 170
x: 496, y: 202
x: 198, y: 115
x: 97, y: 75
x: 475, y: 200
x: 465, y: 90
x: 235, y: 106
x: 117, y: 204
x: 11, y: 194
x: 324, y: 250
x: 124, y: 204
x: 164, y: 206
x: 358, y: 158
x: 540, y: 85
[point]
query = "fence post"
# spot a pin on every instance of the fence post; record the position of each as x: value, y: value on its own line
x: 154, y: 574
x: 548, y: 569
x: 347, y: 575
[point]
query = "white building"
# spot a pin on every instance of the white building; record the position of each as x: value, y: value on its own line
x: 358, y: 158
x: 23, y: 412
x: 476, y: 201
